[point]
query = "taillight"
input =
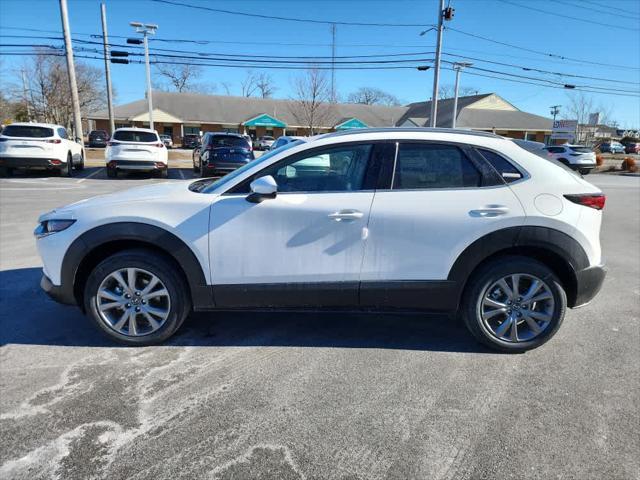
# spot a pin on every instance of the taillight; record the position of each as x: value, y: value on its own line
x: 592, y: 200
x: 54, y: 140
x: 159, y: 145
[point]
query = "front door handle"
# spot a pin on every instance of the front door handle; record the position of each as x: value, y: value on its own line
x: 490, y: 211
x: 346, y: 215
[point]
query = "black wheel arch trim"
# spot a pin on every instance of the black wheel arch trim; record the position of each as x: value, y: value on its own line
x: 155, y: 236
x: 566, y: 253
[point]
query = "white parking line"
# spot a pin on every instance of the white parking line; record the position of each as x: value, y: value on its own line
x: 89, y: 176
x: 181, y: 174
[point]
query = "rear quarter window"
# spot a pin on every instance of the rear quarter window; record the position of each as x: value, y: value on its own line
x: 135, y: 136
x: 503, y: 166
x: 27, y: 131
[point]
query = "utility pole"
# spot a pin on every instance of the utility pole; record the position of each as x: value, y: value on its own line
x: 458, y: 67
x: 555, y: 109
x: 107, y: 67
x: 26, y: 98
x: 333, y: 62
x: 146, y: 30
x: 436, y: 71
x: 71, y: 70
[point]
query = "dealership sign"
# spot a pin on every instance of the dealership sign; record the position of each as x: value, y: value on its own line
x: 564, y: 129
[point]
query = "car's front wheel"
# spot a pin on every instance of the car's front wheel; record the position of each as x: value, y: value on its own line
x: 514, y: 304
x: 136, y: 297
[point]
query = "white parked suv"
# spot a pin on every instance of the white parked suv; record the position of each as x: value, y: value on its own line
x: 39, y: 146
x: 429, y: 220
x: 136, y: 149
x: 576, y: 157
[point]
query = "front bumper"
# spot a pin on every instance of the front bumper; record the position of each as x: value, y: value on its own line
x: 31, y: 162
x: 588, y: 283
x: 58, y: 292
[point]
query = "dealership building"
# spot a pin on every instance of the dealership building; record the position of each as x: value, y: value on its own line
x: 177, y: 114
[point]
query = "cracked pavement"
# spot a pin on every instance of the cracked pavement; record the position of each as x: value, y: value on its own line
x: 313, y: 396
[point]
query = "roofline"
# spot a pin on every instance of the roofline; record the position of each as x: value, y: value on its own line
x: 456, y: 131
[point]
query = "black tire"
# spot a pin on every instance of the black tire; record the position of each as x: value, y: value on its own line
x: 67, y: 170
x: 585, y: 171
x: 80, y: 166
x: 6, y: 172
x: 203, y: 170
x: 158, y: 265
x: 164, y: 173
x: 112, y: 172
x: 486, y: 276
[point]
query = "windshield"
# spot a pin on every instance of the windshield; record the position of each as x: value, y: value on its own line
x: 236, y: 173
x: 135, y: 136
x: 27, y: 131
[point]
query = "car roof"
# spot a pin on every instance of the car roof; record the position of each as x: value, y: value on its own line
x: 136, y: 129
x: 229, y: 134
x: 457, y: 131
x: 34, y: 124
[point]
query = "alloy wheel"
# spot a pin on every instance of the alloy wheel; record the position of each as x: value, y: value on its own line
x: 133, y: 302
x: 516, y: 308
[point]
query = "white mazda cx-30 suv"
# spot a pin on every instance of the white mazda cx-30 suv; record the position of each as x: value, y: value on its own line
x: 428, y: 220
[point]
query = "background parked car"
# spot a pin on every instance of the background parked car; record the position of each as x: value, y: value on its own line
x: 284, y: 140
x: 632, y: 147
x: 191, y: 140
x: 264, y: 143
x: 576, y: 157
x: 136, y: 149
x: 249, y: 140
x: 167, y: 140
x: 221, y: 153
x: 611, y: 147
x: 39, y: 146
x: 98, y: 138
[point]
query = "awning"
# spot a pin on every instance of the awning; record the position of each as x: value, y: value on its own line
x: 351, y: 123
x: 264, y: 120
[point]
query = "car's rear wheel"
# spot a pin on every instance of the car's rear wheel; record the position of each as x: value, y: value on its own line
x: 136, y: 297
x: 514, y: 304
x: 67, y: 169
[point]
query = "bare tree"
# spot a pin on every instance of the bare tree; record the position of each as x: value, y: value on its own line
x: 310, y: 104
x: 449, y: 91
x: 265, y: 84
x: 48, y: 89
x: 372, y: 96
x: 249, y: 85
x: 580, y: 107
x: 182, y: 78
x: 227, y: 87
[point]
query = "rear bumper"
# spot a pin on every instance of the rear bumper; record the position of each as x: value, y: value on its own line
x: 582, y: 166
x: 588, y: 283
x: 31, y: 162
x: 137, y: 165
x: 57, y: 292
x: 221, y: 168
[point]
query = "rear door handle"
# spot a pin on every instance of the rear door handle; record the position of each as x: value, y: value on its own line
x: 490, y: 211
x: 341, y: 215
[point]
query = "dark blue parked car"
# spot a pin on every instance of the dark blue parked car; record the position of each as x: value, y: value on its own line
x: 221, y: 153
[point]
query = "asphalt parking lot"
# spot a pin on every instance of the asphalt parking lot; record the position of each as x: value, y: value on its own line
x: 315, y: 396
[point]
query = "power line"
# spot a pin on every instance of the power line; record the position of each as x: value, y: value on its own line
x: 290, y: 19
x: 539, y: 52
x: 611, y: 8
x: 577, y: 19
x: 590, y: 9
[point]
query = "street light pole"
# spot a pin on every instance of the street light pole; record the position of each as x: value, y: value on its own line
x: 458, y: 66
x: 146, y: 30
x: 107, y: 67
x: 71, y: 70
x: 436, y: 71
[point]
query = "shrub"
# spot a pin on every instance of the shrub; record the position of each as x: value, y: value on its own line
x: 629, y: 164
x: 599, y: 160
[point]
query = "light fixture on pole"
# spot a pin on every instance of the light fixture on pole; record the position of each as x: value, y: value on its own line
x: 458, y: 67
x: 146, y: 29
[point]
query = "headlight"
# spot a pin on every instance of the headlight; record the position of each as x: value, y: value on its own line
x: 49, y: 227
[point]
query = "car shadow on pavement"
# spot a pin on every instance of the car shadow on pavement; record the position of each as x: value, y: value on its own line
x: 29, y: 317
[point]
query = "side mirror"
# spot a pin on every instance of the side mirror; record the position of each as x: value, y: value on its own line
x: 262, y: 188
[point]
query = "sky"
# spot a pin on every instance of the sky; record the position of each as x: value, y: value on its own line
x: 592, y: 38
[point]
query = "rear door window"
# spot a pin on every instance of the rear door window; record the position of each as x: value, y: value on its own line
x: 135, y: 136
x: 428, y: 166
x: 27, y: 131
